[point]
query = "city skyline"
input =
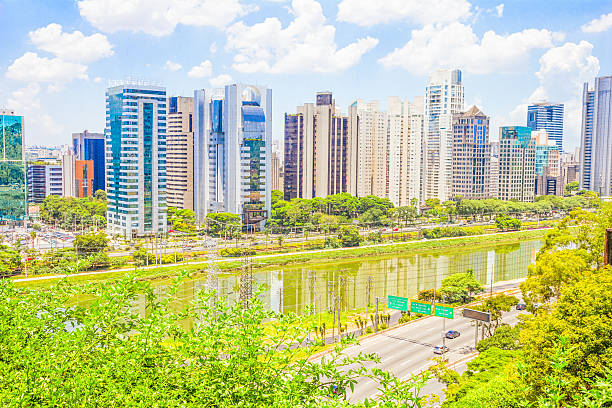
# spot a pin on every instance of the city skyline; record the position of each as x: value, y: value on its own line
x: 59, y: 59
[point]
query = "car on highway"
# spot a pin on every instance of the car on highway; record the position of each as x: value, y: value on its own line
x: 521, y: 306
x: 452, y: 334
x: 440, y: 350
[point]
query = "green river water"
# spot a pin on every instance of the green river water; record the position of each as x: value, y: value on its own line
x: 292, y: 288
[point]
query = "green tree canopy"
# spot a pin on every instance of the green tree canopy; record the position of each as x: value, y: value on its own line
x: 460, y: 287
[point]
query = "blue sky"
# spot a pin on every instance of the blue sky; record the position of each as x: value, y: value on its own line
x: 58, y: 55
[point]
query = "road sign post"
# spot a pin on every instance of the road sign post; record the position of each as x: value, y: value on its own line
x: 398, y: 303
x: 445, y: 311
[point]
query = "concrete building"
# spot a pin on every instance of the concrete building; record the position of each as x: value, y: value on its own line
x: 179, y: 152
x: 136, y: 159
x: 403, y: 150
x: 276, y: 168
x: 494, y: 170
x: 316, y: 150
x: 548, y: 180
x: 90, y: 146
x: 471, y: 155
x: 370, y: 135
x: 517, y: 151
x: 549, y: 117
x: 13, y: 191
x: 78, y: 176
x: 233, y: 136
x: 596, y: 145
x: 443, y: 99
x: 45, y: 178
x: 68, y: 170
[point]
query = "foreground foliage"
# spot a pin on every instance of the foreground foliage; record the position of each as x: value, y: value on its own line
x: 120, y: 344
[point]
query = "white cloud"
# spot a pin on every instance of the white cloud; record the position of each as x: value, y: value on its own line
x: 598, y: 25
x: 98, y: 80
x: 32, y: 68
x: 307, y: 44
x: 456, y: 45
x: 368, y: 12
x: 220, y: 81
x: 500, y: 10
x: 26, y: 102
x: 25, y: 99
x: 172, y: 66
x: 213, y: 48
x: 74, y: 47
x: 201, y: 71
x: 159, y: 17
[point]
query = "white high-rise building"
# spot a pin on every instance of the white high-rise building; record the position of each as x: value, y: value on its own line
x: 232, y: 139
x: 136, y: 159
x: 443, y: 98
x: 405, y: 134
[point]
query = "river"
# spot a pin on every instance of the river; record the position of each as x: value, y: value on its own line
x: 293, y: 288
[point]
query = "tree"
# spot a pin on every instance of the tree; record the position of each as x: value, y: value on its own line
x: 349, y: 236
x: 460, y: 287
x: 505, y: 223
x: 100, y: 195
x: 505, y: 337
x: 182, y: 220
x: 109, y: 353
x: 496, y: 305
x: 91, y: 243
x: 220, y: 224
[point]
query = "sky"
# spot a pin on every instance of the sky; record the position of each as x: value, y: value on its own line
x: 58, y: 56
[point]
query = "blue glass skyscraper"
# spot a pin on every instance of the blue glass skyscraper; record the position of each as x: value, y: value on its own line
x: 13, y: 194
x: 549, y: 117
x: 90, y: 146
x: 136, y: 159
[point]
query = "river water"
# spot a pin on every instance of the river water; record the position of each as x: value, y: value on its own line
x: 360, y: 281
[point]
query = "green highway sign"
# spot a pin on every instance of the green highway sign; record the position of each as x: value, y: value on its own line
x: 417, y: 306
x: 398, y: 303
x: 444, y: 311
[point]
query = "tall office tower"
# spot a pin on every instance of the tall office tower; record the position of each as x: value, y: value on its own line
x: 90, y: 146
x: 316, y: 150
x: 136, y: 159
x: 68, y: 170
x: 549, y: 117
x: 494, y: 170
x: 370, y: 136
x: 78, y: 176
x: 13, y: 192
x: 276, y: 171
x: 45, y: 178
x: 443, y: 99
x: 233, y: 136
x: 471, y: 155
x: 404, y: 140
x: 517, y: 151
x: 596, y: 146
x: 179, y: 152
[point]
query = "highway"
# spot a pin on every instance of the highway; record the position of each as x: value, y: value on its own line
x: 408, y: 349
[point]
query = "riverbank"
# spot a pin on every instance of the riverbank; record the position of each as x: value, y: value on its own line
x: 323, y: 256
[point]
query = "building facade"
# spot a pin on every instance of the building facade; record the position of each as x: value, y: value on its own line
x: 596, y: 144
x: 233, y: 136
x: 13, y: 192
x: 549, y: 117
x: 45, y: 178
x: 443, y: 99
x: 471, y: 155
x: 276, y: 170
x: 548, y: 180
x: 316, y: 150
x: 517, y: 154
x: 179, y: 152
x: 136, y: 159
x: 90, y: 146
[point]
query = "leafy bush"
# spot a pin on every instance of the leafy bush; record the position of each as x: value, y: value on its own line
x: 505, y: 337
x: 349, y: 236
x: 332, y: 242
x: 236, y: 252
x: 443, y: 232
x: 375, y: 237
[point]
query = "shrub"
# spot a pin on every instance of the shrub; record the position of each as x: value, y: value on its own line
x: 332, y: 242
x: 375, y: 237
x: 236, y: 252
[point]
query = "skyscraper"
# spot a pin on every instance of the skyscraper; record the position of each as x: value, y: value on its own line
x: 90, y: 146
x: 233, y: 136
x: 547, y: 165
x: 13, y: 193
x: 596, y: 146
x: 403, y: 150
x: 443, y: 98
x: 136, y: 159
x: 517, y: 150
x: 471, y: 155
x: 179, y: 152
x: 549, y: 117
x: 45, y: 178
x: 316, y: 150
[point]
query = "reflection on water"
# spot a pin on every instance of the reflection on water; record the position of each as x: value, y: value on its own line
x: 291, y: 289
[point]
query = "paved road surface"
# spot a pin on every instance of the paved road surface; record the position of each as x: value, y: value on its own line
x: 408, y: 349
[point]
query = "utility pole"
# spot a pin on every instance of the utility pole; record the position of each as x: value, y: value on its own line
x: 376, y: 316
x: 608, y: 247
x: 369, y: 289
